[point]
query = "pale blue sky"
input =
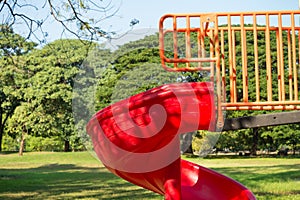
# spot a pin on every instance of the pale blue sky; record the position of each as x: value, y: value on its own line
x: 148, y: 12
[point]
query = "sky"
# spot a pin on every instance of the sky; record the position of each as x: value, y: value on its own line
x: 149, y: 12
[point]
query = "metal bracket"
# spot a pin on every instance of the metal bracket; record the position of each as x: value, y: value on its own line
x: 264, y: 120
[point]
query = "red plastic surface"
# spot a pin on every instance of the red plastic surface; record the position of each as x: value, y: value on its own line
x: 138, y: 140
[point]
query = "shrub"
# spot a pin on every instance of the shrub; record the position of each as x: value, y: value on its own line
x: 43, y: 144
x: 9, y: 143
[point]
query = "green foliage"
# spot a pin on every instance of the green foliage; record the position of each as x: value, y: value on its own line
x: 42, y: 88
x: 13, y: 44
x: 12, y: 48
x: 133, y: 68
x: 42, y: 84
x: 9, y: 144
x: 53, y: 69
x: 44, y: 144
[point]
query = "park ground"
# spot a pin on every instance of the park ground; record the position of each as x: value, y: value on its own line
x: 79, y: 175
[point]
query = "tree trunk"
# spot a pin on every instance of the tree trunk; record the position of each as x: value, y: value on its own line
x: 189, y: 150
x: 294, y: 149
x: 254, y: 142
x: 1, y: 136
x: 1, y: 130
x: 22, y: 142
x: 67, y: 146
x: 186, y: 145
x: 2, y: 125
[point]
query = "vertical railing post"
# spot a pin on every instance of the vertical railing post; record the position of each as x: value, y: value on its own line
x: 220, y: 95
x: 244, y: 59
x: 175, y: 45
x: 256, y: 68
x: 295, y: 72
x: 268, y: 59
x: 188, y: 41
x: 281, y: 59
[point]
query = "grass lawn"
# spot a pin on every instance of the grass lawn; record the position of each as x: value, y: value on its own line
x: 80, y: 176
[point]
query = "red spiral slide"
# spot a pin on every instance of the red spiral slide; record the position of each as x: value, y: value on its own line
x: 138, y: 140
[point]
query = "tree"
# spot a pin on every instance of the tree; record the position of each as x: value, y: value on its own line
x: 48, y: 91
x: 121, y: 63
x: 20, y: 124
x: 51, y: 92
x: 12, y: 46
x: 74, y: 16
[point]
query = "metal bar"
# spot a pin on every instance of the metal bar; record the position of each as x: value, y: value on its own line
x: 257, y: 84
x: 273, y: 119
x: 259, y: 28
x: 231, y: 64
x: 265, y: 107
x: 278, y: 66
x: 161, y: 42
x: 268, y: 60
x: 224, y: 14
x: 206, y: 28
x: 296, y: 96
x: 183, y: 60
x: 188, y: 41
x: 199, y: 53
x: 295, y: 75
x: 223, y: 67
x: 247, y: 28
x: 212, y: 55
x: 271, y: 103
x: 175, y: 45
x: 233, y: 88
x: 281, y: 59
x: 290, y: 69
x: 244, y: 60
x: 220, y: 121
x: 202, y: 39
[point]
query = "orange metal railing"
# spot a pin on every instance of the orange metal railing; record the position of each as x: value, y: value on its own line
x: 253, y: 57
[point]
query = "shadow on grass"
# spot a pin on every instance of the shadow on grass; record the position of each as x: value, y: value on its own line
x: 67, y: 181
x: 7, y: 152
x: 285, y: 172
x: 230, y: 156
x: 264, y: 176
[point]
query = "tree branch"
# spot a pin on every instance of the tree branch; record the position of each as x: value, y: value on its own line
x: 28, y: 21
x: 75, y: 17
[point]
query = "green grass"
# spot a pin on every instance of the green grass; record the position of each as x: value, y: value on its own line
x: 80, y: 176
x: 62, y: 176
x: 267, y: 178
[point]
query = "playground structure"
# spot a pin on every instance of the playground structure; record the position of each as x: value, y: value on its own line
x: 137, y: 138
x: 210, y: 45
